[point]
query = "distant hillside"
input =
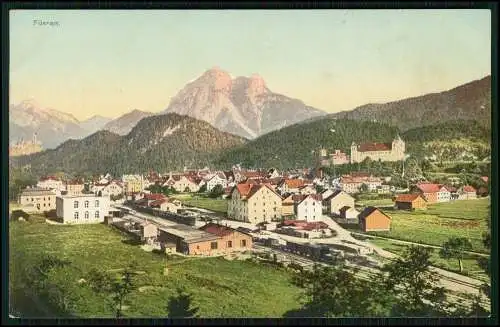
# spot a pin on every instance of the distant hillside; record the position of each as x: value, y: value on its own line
x: 471, y: 101
x: 161, y: 142
x: 292, y: 146
x: 124, y: 124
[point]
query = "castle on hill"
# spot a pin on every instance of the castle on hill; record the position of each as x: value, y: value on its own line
x: 394, y: 151
x: 22, y: 147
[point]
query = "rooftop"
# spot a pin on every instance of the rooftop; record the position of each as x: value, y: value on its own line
x: 188, y: 233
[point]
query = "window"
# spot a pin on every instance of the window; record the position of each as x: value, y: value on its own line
x: 97, y: 214
x: 96, y: 203
x: 75, y: 215
x: 86, y: 204
x: 44, y: 204
x: 229, y: 244
x: 86, y: 215
x: 31, y: 199
x: 243, y: 242
x: 75, y: 204
x: 213, y: 245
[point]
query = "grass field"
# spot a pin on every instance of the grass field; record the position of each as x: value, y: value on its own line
x: 470, y: 264
x: 217, y: 205
x: 441, y: 221
x: 375, y: 203
x: 219, y: 287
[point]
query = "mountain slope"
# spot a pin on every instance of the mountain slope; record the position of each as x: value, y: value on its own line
x: 292, y: 146
x: 243, y: 106
x: 124, y: 124
x: 471, y: 101
x: 94, y: 123
x: 52, y: 126
x: 160, y: 142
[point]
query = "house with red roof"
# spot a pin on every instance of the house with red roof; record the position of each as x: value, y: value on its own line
x: 230, y: 239
x: 410, y: 202
x: 292, y: 185
x: 467, y: 192
x: 254, y: 203
x: 429, y: 191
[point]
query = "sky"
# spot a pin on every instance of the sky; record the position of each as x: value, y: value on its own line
x: 109, y: 62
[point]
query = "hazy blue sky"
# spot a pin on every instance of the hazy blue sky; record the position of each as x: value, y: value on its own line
x: 110, y: 62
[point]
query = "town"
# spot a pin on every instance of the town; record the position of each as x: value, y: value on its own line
x: 300, y: 216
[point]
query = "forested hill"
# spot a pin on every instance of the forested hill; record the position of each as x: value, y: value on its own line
x: 162, y: 143
x: 292, y: 146
x: 471, y: 101
x: 448, y: 131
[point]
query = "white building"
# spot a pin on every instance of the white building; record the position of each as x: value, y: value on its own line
x: 217, y: 179
x: 37, y: 200
x: 308, y: 207
x: 51, y: 183
x: 394, y: 151
x: 82, y: 209
x: 443, y: 195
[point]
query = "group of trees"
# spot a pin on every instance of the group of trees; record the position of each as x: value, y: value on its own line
x: 406, y: 287
x: 159, y: 189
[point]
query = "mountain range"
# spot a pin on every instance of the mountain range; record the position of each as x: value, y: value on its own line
x: 168, y: 141
x: 243, y: 106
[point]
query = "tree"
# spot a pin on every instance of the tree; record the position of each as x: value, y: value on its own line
x: 333, y: 291
x: 409, y: 277
x: 187, y: 190
x: 180, y: 305
x: 455, y: 248
x: 363, y: 188
x: 319, y: 189
x: 203, y: 188
x: 217, y: 191
x: 115, y: 288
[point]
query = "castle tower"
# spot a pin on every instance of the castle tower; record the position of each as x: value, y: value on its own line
x: 354, y: 151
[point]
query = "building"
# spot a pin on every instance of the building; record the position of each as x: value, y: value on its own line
x: 133, y: 183
x: 182, y: 184
x: 410, y: 202
x: 337, y: 200
x: 339, y: 158
x: 429, y: 191
x: 350, y: 185
x: 287, y: 206
x: 82, y: 209
x: 230, y: 239
x: 149, y: 232
x: 307, y: 189
x: 394, y: 151
x: 217, y: 179
x: 37, y: 200
x: 211, y: 239
x: 372, y: 219
x: 308, y: 207
x: 444, y: 194
x: 292, y: 185
x: 349, y: 213
x: 273, y: 173
x: 113, y: 188
x: 51, y: 183
x: 22, y: 148
x: 254, y: 203
x: 167, y: 204
x: 467, y: 193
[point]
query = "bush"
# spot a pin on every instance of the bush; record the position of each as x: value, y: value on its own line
x: 16, y: 214
x: 50, y: 214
